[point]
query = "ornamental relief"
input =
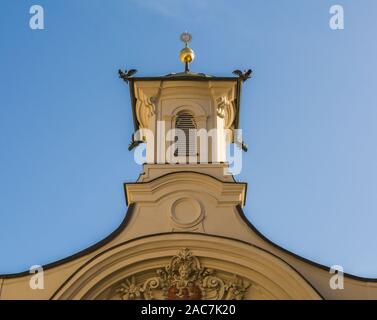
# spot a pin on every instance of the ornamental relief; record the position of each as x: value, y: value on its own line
x: 225, y: 110
x: 183, y: 278
x: 146, y: 105
x: 145, y: 109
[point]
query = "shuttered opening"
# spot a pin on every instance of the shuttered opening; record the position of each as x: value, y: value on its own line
x: 186, y: 147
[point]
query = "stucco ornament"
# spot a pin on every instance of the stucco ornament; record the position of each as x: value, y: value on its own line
x: 225, y: 110
x: 183, y: 279
x: 145, y: 109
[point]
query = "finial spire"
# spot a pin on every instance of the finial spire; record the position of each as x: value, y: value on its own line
x: 187, y: 55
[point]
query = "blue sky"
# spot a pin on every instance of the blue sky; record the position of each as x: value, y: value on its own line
x: 309, y: 117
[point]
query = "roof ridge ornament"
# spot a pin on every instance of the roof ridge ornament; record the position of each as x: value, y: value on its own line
x: 187, y: 55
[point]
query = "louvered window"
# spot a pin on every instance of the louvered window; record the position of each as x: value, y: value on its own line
x: 186, y: 147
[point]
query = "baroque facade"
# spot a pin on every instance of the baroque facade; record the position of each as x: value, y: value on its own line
x: 185, y: 236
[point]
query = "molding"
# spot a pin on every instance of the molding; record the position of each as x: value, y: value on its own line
x: 152, y: 191
x: 149, y: 252
x: 215, y: 170
x: 197, y: 212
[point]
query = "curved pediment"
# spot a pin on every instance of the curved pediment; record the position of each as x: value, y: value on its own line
x: 186, y: 266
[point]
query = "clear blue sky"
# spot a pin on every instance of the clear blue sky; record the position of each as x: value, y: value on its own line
x: 309, y: 117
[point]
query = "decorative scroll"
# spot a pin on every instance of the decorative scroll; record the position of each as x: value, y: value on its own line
x: 225, y: 110
x: 183, y: 279
x: 145, y: 109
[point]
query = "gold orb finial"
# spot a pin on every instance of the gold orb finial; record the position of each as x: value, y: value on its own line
x: 187, y: 55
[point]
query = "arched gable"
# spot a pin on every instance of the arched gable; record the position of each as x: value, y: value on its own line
x: 257, y: 274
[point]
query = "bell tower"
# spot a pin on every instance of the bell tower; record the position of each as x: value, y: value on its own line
x: 185, y: 118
